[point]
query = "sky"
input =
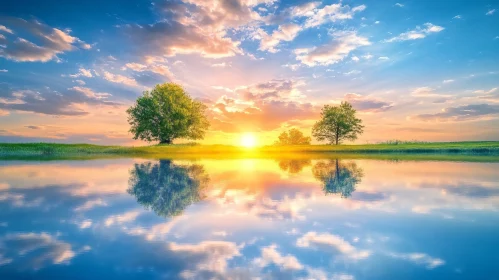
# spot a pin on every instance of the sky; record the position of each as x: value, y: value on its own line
x: 414, y: 70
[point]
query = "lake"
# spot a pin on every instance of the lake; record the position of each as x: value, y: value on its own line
x: 249, y: 219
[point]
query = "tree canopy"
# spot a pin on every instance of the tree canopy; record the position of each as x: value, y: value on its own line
x: 166, y: 113
x: 293, y: 137
x: 337, y: 123
x: 167, y: 188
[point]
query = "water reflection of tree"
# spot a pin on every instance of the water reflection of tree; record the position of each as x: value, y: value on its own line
x: 293, y: 165
x: 338, y: 177
x: 165, y: 187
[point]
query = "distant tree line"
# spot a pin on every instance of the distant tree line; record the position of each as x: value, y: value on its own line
x: 167, y: 112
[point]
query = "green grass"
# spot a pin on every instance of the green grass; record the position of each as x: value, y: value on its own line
x: 413, y: 148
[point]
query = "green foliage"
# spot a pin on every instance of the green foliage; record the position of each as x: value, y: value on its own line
x: 167, y: 188
x: 338, y: 123
x: 166, y: 113
x: 338, y: 177
x: 293, y: 137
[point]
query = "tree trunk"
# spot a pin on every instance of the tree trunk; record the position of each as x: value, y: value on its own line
x: 337, y: 131
x: 165, y: 141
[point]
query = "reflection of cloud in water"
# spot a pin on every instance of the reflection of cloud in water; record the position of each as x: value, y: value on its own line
x: 211, y: 256
x: 331, y: 243
x: 270, y: 255
x: 91, y: 204
x: 467, y: 190
x: 368, y: 196
x: 420, y: 259
x: 122, y: 218
x: 34, y: 251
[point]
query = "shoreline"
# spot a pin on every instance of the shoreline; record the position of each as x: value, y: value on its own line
x: 416, y: 150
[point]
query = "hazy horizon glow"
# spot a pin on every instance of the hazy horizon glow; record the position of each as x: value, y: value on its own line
x: 423, y: 70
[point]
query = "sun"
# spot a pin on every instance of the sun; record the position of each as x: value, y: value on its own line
x: 248, y: 140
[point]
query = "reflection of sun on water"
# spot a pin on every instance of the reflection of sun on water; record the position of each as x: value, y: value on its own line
x: 248, y: 140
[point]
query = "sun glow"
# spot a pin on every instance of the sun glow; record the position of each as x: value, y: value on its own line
x: 248, y: 140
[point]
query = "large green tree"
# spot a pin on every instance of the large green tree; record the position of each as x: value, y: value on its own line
x: 337, y: 123
x: 166, y: 113
x: 293, y: 137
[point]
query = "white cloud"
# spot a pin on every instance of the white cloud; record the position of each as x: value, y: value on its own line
x: 355, y: 58
x: 368, y: 103
x: 481, y: 91
x: 4, y: 70
x: 457, y: 17
x: 425, y: 92
x: 5, y: 29
x: 447, y: 81
x: 285, y: 32
x: 418, y: 33
x: 220, y: 65
x: 335, y: 51
x: 304, y: 10
x: 376, y: 22
x: 490, y: 12
x: 153, y: 67
x: 80, y: 82
x: 330, y: 242
x: 85, y: 72
x: 332, y: 13
x: 90, y: 93
x: 120, y: 79
x: 367, y: 56
x: 353, y: 72
x: 222, y: 88
x: 383, y: 58
x: 82, y: 72
x: 85, y: 224
x: 49, y: 41
x: 470, y: 112
x: 399, y: 5
x: 293, y: 67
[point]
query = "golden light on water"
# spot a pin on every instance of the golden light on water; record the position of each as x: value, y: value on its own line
x: 248, y: 140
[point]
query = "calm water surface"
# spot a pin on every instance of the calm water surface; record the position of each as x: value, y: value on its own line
x: 249, y: 219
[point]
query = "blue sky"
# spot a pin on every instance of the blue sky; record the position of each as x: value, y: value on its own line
x: 423, y: 70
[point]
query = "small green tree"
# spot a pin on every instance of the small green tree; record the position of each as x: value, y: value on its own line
x: 166, y: 113
x: 337, y: 123
x: 293, y: 137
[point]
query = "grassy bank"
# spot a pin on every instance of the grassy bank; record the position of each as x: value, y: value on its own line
x: 447, y: 148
